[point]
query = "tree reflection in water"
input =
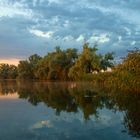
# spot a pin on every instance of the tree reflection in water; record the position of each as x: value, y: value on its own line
x: 70, y: 97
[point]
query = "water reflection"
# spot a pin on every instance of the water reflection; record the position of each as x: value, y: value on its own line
x: 72, y: 97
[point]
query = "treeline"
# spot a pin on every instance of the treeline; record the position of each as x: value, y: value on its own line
x: 86, y: 65
x: 8, y: 71
x: 59, y: 65
x: 125, y: 76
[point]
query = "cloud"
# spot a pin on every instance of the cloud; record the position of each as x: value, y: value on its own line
x: 119, y: 38
x: 128, y: 31
x: 68, y: 38
x: 14, y: 9
x: 39, y: 33
x: 125, y: 13
x: 133, y: 43
x: 100, y: 39
x: 53, y: 1
x: 80, y: 38
x: 30, y: 26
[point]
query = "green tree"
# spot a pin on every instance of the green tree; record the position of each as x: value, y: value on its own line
x: 33, y: 61
x: 8, y: 71
x: 42, y: 69
x: 13, y: 72
x: 127, y: 73
x: 56, y: 65
x: 107, y: 61
x: 87, y: 62
x: 25, y: 70
x: 4, y: 70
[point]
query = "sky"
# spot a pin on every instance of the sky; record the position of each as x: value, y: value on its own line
x: 38, y: 26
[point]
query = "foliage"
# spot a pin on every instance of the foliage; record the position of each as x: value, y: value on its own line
x: 27, y: 68
x: 125, y: 76
x: 85, y: 97
x: 89, y: 61
x: 106, y: 61
x: 8, y: 71
x: 128, y: 73
x: 55, y: 65
x: 70, y: 65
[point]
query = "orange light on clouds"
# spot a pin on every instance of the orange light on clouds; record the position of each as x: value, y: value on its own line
x: 10, y: 61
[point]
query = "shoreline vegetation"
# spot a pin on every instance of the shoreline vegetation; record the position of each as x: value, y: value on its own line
x: 71, y: 65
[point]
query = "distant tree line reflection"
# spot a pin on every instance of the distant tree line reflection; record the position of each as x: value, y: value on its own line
x: 70, y: 97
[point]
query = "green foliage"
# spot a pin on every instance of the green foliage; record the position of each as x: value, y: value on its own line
x: 125, y: 76
x: 62, y: 65
x: 69, y: 65
x: 106, y: 61
x: 55, y: 65
x: 27, y: 68
x: 42, y: 69
x: 89, y: 61
x: 128, y: 72
x: 8, y: 71
x: 83, y: 96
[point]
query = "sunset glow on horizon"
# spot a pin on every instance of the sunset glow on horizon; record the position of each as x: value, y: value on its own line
x: 9, y: 96
x: 10, y: 61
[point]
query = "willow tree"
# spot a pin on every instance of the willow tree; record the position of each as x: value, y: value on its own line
x: 60, y: 63
x: 87, y: 62
x: 56, y: 65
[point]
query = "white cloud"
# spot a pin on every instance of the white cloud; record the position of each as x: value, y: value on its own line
x: 128, y: 31
x: 102, y: 38
x: 34, y: 2
x: 13, y: 9
x: 39, y: 33
x: 66, y: 23
x: 133, y: 43
x: 127, y: 14
x: 68, y: 38
x: 54, y: 1
x: 120, y: 38
x: 80, y: 38
x: 62, y: 24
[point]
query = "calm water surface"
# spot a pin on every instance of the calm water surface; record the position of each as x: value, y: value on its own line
x: 67, y: 111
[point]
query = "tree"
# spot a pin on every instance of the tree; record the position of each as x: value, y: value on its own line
x: 128, y: 72
x: 106, y: 61
x: 25, y: 70
x: 42, y: 69
x: 13, y: 72
x: 60, y: 62
x: 87, y: 62
x: 4, y: 69
x: 34, y: 59
x: 8, y: 71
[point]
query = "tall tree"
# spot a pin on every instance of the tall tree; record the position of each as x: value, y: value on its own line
x: 87, y: 62
x: 25, y: 70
